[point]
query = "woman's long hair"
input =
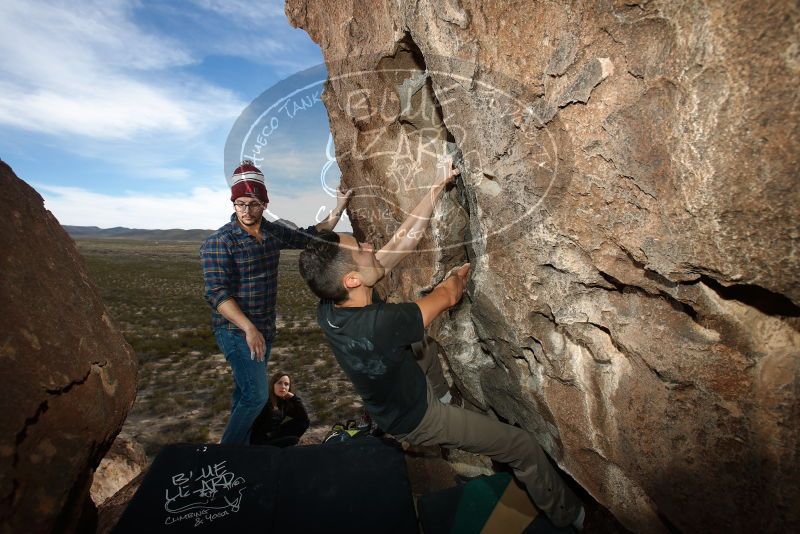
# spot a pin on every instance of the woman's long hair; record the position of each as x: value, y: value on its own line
x: 273, y: 399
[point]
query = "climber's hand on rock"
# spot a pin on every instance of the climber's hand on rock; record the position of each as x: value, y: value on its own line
x: 444, y: 296
x: 445, y: 171
x: 343, y: 196
x: 456, y: 283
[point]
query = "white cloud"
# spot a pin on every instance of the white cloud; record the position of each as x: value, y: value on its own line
x: 118, y: 109
x: 108, y: 81
x: 85, y: 68
x: 176, y: 174
x: 249, y: 12
x: 199, y: 208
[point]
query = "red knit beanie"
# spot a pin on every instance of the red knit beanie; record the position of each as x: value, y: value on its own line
x: 248, y: 181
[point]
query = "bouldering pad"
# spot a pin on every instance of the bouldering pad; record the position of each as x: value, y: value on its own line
x: 359, y: 486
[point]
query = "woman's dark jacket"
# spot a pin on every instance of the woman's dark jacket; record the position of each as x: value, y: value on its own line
x: 275, y: 426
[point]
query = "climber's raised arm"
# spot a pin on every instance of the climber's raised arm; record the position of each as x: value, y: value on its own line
x: 407, y: 237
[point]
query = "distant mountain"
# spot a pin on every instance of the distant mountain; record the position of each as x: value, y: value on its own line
x: 93, y: 232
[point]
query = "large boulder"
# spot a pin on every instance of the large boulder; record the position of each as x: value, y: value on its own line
x: 629, y: 203
x: 69, y: 377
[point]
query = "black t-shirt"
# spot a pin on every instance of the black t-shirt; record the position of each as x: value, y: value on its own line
x: 372, y: 345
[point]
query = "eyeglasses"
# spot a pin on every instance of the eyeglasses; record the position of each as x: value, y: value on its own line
x: 244, y: 206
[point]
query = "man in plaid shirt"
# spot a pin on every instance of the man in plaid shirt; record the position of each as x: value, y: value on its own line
x: 240, y: 271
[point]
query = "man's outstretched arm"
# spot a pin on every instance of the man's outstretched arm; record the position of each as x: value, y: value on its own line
x: 407, y: 237
x: 342, y: 198
x: 444, y: 296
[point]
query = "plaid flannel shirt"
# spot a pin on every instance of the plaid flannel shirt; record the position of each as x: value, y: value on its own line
x: 236, y: 266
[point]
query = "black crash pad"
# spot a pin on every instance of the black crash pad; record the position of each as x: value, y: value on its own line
x: 354, y: 486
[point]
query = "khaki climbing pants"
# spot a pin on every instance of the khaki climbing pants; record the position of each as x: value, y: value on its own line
x: 456, y: 428
x: 426, y: 352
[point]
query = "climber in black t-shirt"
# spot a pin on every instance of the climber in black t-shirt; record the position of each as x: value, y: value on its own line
x: 372, y: 342
x: 375, y: 345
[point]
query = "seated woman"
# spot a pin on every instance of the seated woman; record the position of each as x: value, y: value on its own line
x: 283, y: 419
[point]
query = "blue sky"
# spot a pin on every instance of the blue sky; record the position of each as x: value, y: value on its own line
x: 118, y: 112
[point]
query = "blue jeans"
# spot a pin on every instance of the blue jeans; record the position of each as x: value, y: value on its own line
x: 250, y: 390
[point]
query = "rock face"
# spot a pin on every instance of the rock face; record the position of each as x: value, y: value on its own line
x: 124, y: 461
x: 69, y: 376
x: 629, y: 203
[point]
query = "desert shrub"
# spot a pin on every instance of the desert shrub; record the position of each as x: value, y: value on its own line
x: 319, y: 402
x: 196, y: 434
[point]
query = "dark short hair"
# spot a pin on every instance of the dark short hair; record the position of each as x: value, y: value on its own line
x: 323, y: 264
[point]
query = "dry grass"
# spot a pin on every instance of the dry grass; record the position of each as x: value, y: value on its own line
x: 153, y: 291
